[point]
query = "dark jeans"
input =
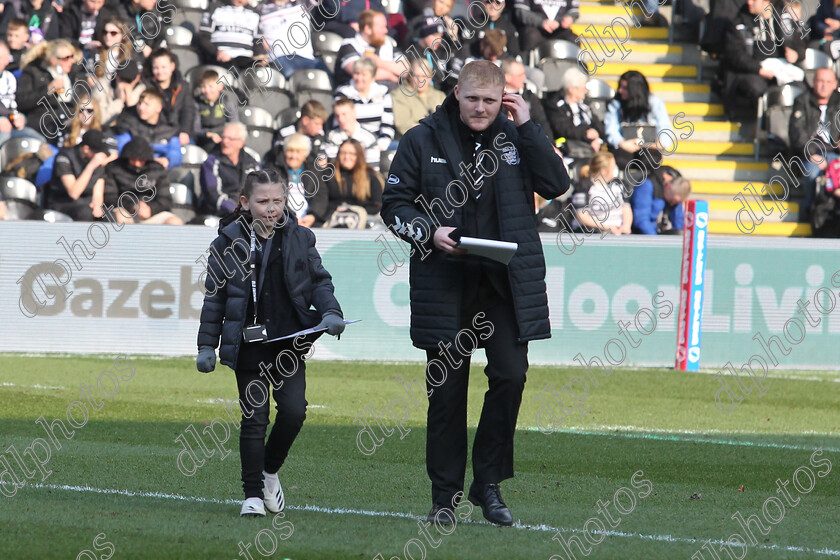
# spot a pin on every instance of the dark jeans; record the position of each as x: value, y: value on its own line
x: 289, y: 396
x: 446, y: 434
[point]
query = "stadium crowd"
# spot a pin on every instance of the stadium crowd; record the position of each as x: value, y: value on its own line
x: 95, y: 93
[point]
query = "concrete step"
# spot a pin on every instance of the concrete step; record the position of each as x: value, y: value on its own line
x: 678, y: 92
x: 636, y: 33
x: 604, y: 14
x: 728, y: 189
x: 708, y: 169
x: 714, y: 148
x: 779, y: 229
x: 712, y: 131
x: 609, y: 71
x: 779, y: 212
x: 645, y: 53
x: 695, y: 109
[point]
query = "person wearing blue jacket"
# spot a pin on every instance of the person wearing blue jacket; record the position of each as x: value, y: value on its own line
x: 146, y: 120
x: 657, y: 202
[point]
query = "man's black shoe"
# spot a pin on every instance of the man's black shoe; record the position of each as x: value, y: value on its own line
x: 441, y: 515
x: 489, y: 497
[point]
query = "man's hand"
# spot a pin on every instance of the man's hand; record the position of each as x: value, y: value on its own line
x: 214, y: 137
x: 518, y: 108
x: 766, y: 74
x: 206, y: 360
x: 307, y: 220
x: 591, y: 134
x: 18, y: 121
x: 566, y: 22
x: 791, y: 55
x: 222, y: 56
x: 96, y: 208
x: 163, y: 161
x: 445, y: 243
x: 550, y: 25
x: 629, y: 146
x: 184, y: 138
x: 832, y: 25
x: 144, y: 211
x: 5, y: 125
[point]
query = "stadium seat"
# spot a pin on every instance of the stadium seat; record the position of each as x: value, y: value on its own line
x: 385, y: 160
x: 326, y: 42
x: 54, y: 216
x: 815, y: 59
x: 561, y: 50
x: 554, y: 69
x: 311, y: 80
x: 288, y: 116
x: 182, y: 201
x: 188, y: 57
x: 177, y: 36
x: 189, y: 11
x: 264, y: 77
x: 600, y: 94
x: 253, y: 153
x: 260, y: 125
x: 329, y: 59
x: 13, y: 147
x: 192, y: 159
x: 20, y: 197
x: 392, y: 6
x: 773, y: 115
x: 324, y: 97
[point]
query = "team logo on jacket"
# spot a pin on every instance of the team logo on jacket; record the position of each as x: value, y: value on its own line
x: 437, y: 160
x: 393, y: 179
x: 510, y: 155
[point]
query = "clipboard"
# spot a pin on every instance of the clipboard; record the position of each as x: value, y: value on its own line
x: 307, y: 331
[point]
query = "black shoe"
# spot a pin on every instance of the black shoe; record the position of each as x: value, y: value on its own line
x: 441, y: 515
x: 489, y: 497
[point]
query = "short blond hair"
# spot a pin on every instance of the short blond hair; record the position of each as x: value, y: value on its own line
x: 482, y: 73
x: 298, y: 141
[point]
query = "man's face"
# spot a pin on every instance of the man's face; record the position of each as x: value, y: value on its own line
x: 825, y: 83
x: 515, y: 77
x: 670, y: 196
x: 757, y: 6
x: 443, y: 7
x: 148, y: 108
x: 428, y: 41
x: 162, y: 69
x: 16, y: 38
x: 232, y: 142
x: 479, y: 104
x: 93, y: 6
x: 377, y: 31
x: 346, y: 116
x: 136, y: 162
x: 312, y: 126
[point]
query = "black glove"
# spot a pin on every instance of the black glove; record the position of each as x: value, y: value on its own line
x: 206, y: 360
x: 333, y: 323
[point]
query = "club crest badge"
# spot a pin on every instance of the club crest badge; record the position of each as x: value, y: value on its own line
x: 510, y: 155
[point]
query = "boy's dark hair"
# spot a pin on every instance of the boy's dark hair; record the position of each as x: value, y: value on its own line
x: 209, y: 76
x: 314, y: 109
x: 152, y: 92
x: 18, y: 23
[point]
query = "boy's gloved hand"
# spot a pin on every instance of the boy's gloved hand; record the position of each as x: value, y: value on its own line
x: 333, y: 323
x: 206, y: 360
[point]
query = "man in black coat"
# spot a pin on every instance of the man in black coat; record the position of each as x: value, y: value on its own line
x: 468, y: 170
x: 813, y: 132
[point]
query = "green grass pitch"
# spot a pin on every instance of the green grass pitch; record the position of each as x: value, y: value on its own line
x: 115, y: 489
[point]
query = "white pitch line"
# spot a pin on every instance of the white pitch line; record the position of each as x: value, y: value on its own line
x: 673, y: 435
x: 399, y: 515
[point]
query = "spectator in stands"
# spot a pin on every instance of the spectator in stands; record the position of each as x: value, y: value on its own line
x: 515, y: 83
x: 374, y: 105
x: 41, y: 17
x: 307, y: 193
x: 634, y: 121
x: 657, y: 202
x: 346, y: 22
x: 540, y: 21
x: 47, y: 66
x: 148, y: 20
x: 213, y: 111
x: 573, y: 120
x: 814, y: 120
x: 755, y: 53
x: 313, y: 115
x: 224, y: 172
x: 12, y: 123
x: 77, y: 186
x: 124, y: 87
x: 439, y: 11
x: 416, y: 98
x: 499, y: 19
x: 599, y: 201
x: 354, y: 184
x: 429, y: 45
x: 229, y: 29
x: 87, y: 118
x: 161, y: 72
x: 826, y: 26
x: 146, y: 121
x: 138, y: 187
x: 17, y: 37
x: 277, y: 18
x: 491, y: 47
x: 346, y: 127
x: 78, y: 24
x: 371, y: 42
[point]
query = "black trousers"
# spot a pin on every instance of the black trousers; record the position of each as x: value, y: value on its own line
x: 531, y: 37
x: 446, y: 435
x: 257, y: 454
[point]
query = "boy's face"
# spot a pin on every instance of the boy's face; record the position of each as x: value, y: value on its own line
x: 312, y: 126
x: 148, y: 108
x: 211, y: 90
x: 17, y: 38
x: 346, y: 116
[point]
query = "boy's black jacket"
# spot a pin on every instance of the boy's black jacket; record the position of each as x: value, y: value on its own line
x: 223, y: 315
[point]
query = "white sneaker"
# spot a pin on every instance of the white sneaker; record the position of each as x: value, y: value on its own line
x: 273, y: 496
x: 252, y: 507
